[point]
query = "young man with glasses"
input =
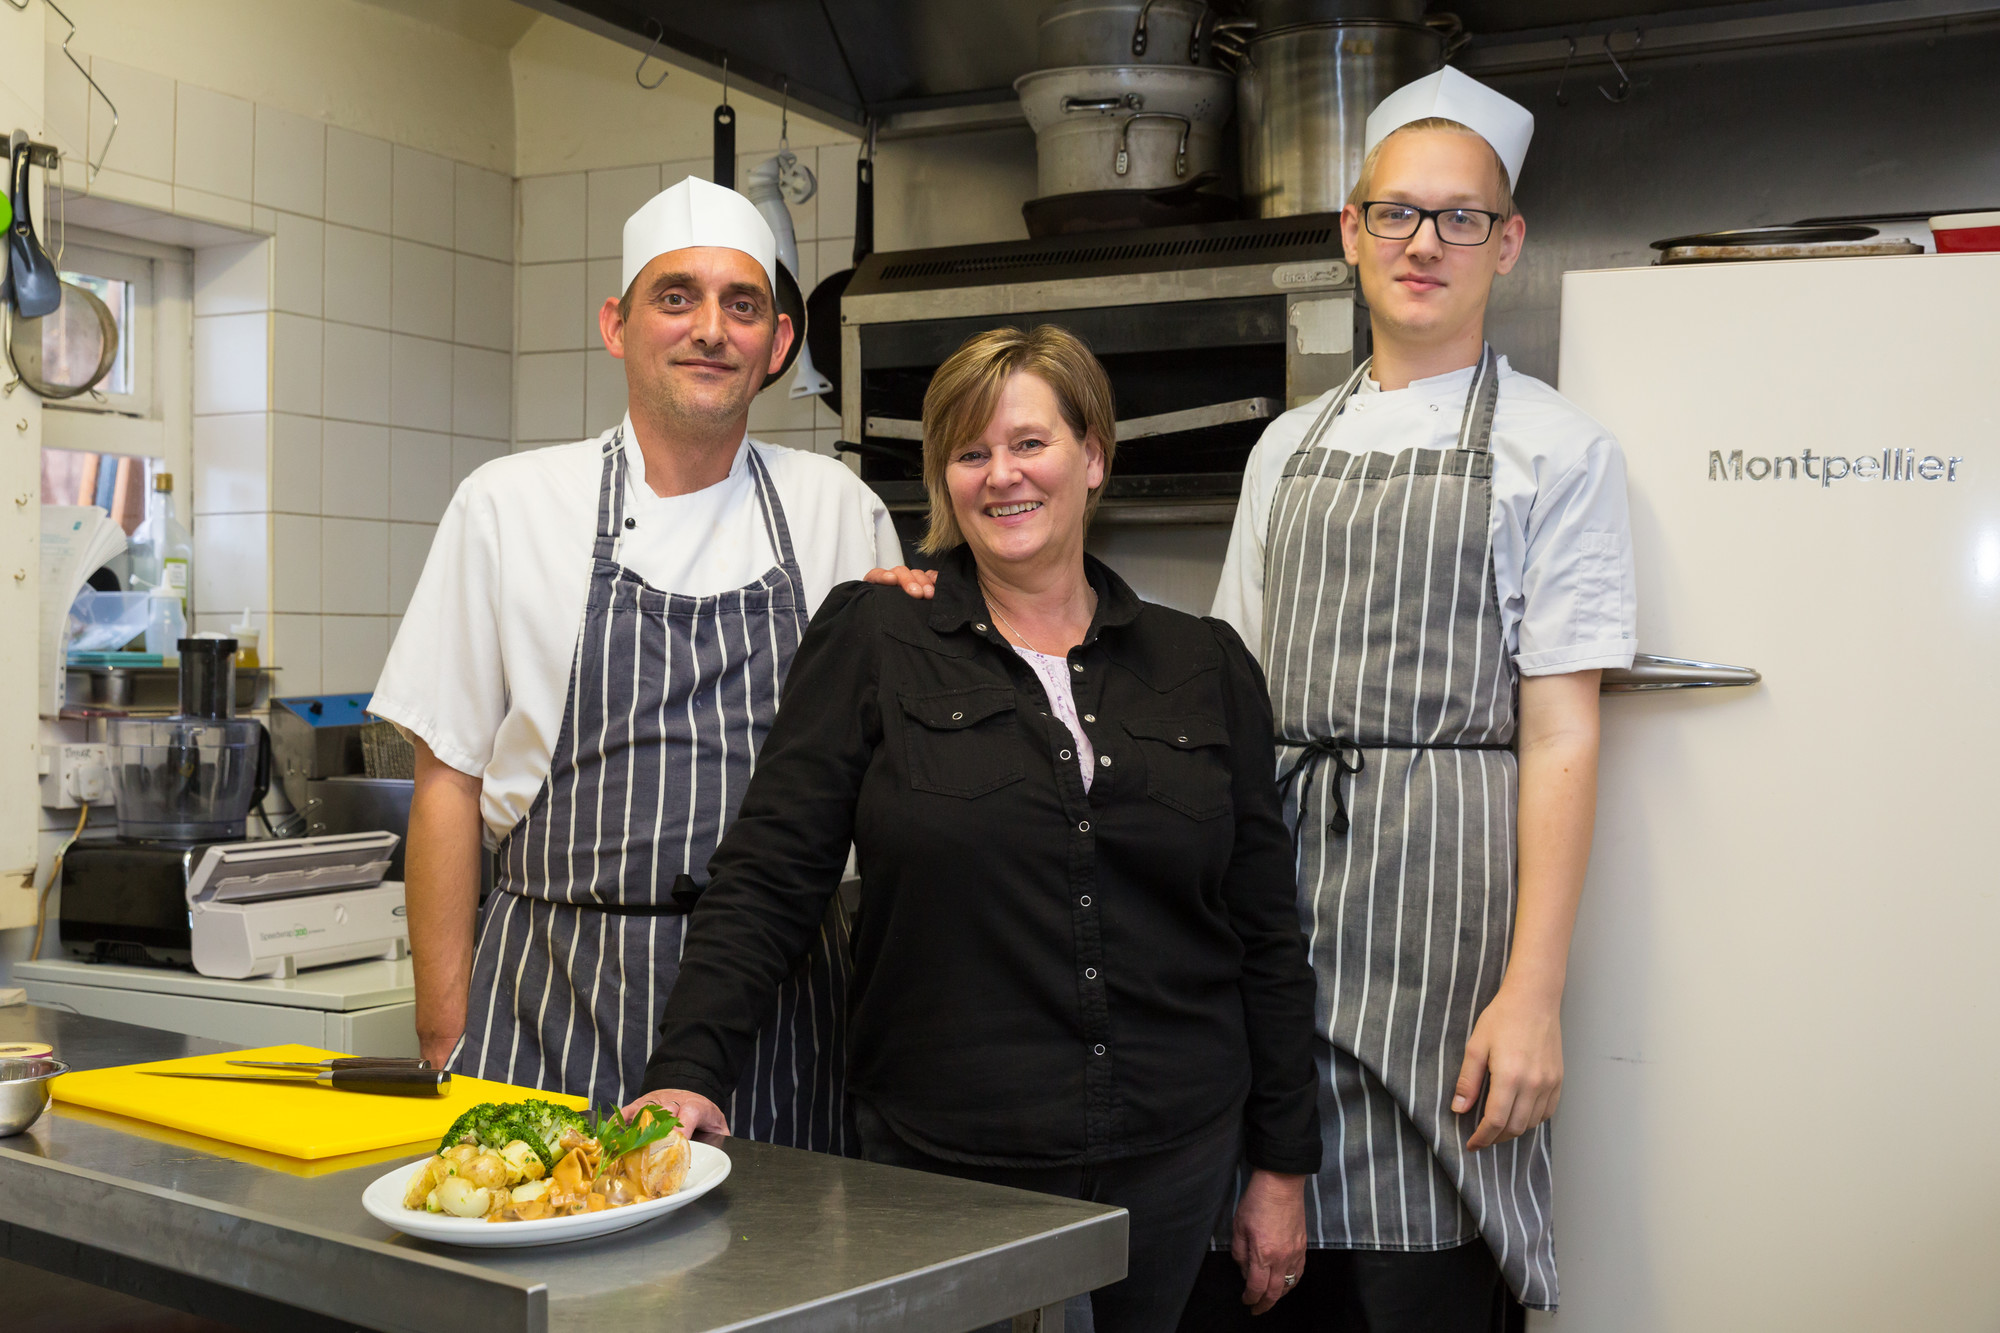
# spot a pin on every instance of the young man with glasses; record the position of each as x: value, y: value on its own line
x: 1434, y: 565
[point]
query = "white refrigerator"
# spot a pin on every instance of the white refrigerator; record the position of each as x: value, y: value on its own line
x: 1782, y: 1106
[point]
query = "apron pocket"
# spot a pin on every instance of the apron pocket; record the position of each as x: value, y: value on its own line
x: 1187, y: 763
x: 962, y: 742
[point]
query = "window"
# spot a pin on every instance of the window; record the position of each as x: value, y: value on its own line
x: 124, y: 282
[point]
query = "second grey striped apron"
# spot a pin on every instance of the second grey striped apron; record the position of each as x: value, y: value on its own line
x: 1394, y: 698
x: 670, y: 697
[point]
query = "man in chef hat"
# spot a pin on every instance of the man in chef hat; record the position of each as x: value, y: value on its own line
x: 1434, y: 564
x: 588, y: 666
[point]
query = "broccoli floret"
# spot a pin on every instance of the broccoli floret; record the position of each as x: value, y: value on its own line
x: 494, y: 1125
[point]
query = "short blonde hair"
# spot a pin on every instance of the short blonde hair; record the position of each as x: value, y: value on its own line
x: 1366, y: 179
x: 964, y: 392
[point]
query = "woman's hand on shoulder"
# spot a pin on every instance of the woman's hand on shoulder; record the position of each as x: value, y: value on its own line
x: 1269, y: 1237
x: 918, y: 583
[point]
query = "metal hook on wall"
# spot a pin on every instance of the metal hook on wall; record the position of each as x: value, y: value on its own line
x: 98, y: 165
x: 1624, y: 80
x: 1562, y: 98
x: 638, y: 75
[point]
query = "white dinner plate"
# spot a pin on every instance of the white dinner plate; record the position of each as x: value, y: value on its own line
x: 384, y: 1202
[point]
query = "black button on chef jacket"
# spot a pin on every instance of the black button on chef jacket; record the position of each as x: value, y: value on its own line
x: 1042, y: 975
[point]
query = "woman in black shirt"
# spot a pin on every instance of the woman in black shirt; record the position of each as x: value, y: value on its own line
x: 1078, y: 965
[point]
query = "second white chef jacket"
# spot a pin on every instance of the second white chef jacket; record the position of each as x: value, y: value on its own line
x: 1562, y: 534
x: 480, y: 667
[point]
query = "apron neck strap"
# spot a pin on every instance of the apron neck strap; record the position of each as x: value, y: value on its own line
x: 775, y: 526
x: 611, y: 498
x: 1475, y: 427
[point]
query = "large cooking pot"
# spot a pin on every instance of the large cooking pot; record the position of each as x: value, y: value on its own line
x: 1124, y: 32
x: 1303, y: 98
x: 1275, y: 15
x: 1125, y: 127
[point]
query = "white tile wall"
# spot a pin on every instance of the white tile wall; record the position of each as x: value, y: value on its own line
x: 232, y: 279
x: 425, y: 189
x: 421, y: 290
x: 481, y: 393
x: 65, y: 102
x: 356, y: 386
x: 352, y: 650
x: 359, y: 277
x: 549, y: 396
x: 552, y: 218
x: 293, y: 643
x: 355, y: 581
x: 483, y: 303
x: 231, y: 557
x: 468, y: 455
x: 552, y: 307
x: 229, y: 361
x: 408, y: 544
x: 214, y: 136
x: 297, y: 375
x: 290, y: 172
x: 420, y: 384
x: 298, y: 279
x: 354, y: 470
x: 483, y: 216
x: 611, y: 197
x: 296, y: 563
x: 144, y: 142
x: 604, y: 392
x: 357, y: 179
x: 295, y: 465
x: 229, y: 464
x: 419, y: 476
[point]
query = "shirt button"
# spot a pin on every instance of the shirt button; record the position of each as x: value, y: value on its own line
x: 1097, y: 1049
x: 1065, y: 754
x: 980, y: 628
x: 1084, y: 827
x: 1083, y: 901
x: 1181, y: 739
x: 1090, y: 717
x: 958, y: 717
x: 631, y: 523
x: 1076, y: 667
x: 1105, y: 760
x: 1090, y: 974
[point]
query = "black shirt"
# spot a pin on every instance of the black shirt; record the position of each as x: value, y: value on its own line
x: 1041, y: 975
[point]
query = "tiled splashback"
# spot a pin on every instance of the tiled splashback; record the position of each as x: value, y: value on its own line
x: 382, y: 304
x: 566, y: 386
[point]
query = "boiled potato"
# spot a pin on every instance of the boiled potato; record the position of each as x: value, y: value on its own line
x: 461, y: 1198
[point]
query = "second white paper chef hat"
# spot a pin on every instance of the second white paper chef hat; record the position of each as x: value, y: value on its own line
x: 697, y: 212
x: 1498, y: 119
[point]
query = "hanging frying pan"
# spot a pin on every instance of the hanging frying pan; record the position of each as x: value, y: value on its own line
x: 823, y: 309
x: 37, y: 289
x: 791, y: 301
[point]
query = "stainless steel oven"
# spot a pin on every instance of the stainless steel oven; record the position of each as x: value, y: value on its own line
x: 1207, y: 332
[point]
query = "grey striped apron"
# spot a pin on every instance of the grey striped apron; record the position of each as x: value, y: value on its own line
x: 1394, y: 699
x: 670, y: 697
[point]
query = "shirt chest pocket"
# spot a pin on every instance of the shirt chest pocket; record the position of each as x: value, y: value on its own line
x: 961, y: 742
x: 1187, y: 763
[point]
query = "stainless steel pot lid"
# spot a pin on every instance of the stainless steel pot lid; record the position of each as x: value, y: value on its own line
x: 1789, y: 235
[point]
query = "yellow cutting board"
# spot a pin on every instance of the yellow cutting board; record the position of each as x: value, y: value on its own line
x: 309, y: 1121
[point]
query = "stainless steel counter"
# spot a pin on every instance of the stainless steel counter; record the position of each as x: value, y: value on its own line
x: 793, y: 1240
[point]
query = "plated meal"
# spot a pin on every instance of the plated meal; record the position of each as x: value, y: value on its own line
x: 533, y: 1160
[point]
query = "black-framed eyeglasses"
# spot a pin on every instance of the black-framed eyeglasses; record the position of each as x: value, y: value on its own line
x: 1455, y: 226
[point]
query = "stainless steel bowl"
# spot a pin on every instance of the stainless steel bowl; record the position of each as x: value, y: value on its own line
x: 24, y: 1091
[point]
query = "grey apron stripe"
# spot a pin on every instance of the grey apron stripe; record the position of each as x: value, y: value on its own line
x: 669, y: 698
x: 1382, y: 628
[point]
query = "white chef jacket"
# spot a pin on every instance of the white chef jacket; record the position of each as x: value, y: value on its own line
x: 1562, y: 535
x: 480, y: 667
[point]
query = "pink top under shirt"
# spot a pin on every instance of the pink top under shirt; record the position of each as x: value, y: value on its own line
x: 1054, y: 672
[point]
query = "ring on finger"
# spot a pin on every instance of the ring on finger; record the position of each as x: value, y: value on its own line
x: 1291, y: 1280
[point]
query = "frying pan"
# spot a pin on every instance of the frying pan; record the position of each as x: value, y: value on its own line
x: 823, y: 309
x: 37, y: 289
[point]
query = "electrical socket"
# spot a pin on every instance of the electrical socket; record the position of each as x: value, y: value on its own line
x: 74, y: 775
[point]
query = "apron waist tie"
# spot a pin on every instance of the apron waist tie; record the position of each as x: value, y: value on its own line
x: 680, y: 901
x: 1339, y: 749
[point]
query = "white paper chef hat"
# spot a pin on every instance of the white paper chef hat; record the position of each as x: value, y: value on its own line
x: 1499, y: 120
x: 697, y: 212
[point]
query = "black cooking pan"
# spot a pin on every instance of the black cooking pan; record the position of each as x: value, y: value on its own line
x: 823, y: 307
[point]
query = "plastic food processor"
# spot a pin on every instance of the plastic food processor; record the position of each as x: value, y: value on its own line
x: 195, y: 776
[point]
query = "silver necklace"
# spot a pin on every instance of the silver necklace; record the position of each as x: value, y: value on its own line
x: 1001, y: 616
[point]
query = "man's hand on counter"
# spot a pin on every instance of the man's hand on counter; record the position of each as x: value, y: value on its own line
x: 700, y: 1118
x: 919, y: 583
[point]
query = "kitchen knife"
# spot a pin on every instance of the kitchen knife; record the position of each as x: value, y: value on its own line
x: 389, y: 1082
x: 340, y: 1062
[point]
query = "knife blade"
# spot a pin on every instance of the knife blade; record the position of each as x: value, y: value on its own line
x: 340, y: 1062
x: 399, y: 1082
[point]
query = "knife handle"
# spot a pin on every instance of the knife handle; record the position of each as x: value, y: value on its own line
x: 377, y: 1062
x: 391, y: 1082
